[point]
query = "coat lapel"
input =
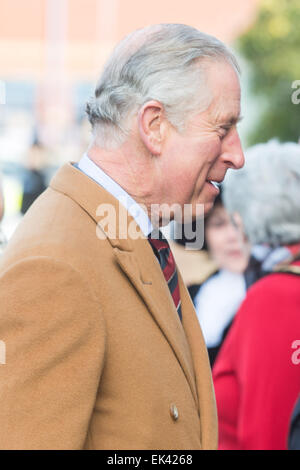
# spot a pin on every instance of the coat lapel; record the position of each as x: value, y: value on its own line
x: 144, y: 272
x: 204, y: 384
x: 136, y: 259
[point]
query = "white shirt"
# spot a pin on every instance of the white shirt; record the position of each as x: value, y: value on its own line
x: 217, y: 302
x: 87, y: 166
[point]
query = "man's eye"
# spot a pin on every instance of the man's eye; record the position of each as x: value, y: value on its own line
x: 224, y: 131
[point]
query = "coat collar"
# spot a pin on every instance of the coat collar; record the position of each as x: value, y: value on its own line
x: 136, y: 259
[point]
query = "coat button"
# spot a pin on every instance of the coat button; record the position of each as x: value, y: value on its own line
x: 174, y: 412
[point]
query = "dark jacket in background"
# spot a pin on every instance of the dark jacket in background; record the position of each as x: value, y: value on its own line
x: 34, y: 185
x: 294, y: 434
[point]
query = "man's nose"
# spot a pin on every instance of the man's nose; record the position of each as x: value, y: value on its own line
x: 232, y: 152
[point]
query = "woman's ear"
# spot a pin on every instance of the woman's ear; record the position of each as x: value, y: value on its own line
x: 151, y: 125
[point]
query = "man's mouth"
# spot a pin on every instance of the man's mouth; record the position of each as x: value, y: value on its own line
x: 213, y: 183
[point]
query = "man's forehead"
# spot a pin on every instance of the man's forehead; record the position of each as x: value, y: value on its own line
x: 226, y: 112
x: 221, y: 76
x: 226, y: 92
x: 227, y: 106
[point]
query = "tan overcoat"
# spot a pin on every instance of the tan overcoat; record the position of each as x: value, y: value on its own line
x: 96, y: 356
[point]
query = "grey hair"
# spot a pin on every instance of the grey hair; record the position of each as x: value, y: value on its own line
x: 159, y: 62
x: 266, y: 193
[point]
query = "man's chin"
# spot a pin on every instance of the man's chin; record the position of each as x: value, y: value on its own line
x: 208, y: 207
x: 191, y: 211
x: 200, y: 213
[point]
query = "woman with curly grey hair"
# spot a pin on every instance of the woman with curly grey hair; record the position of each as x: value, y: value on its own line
x: 256, y: 375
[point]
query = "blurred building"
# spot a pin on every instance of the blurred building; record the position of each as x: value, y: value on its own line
x: 51, y: 52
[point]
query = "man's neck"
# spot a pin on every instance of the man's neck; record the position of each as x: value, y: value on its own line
x: 132, y: 171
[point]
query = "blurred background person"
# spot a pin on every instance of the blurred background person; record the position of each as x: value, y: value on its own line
x: 256, y: 381
x: 1, y: 200
x: 226, y: 263
x: 294, y: 434
x: 230, y: 251
x: 34, y: 179
x: 2, y: 237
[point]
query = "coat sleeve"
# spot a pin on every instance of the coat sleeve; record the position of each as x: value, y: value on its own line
x: 53, y: 335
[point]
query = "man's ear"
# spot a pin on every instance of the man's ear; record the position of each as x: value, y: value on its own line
x: 152, y: 126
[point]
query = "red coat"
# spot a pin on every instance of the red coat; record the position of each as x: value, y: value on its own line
x: 257, y: 372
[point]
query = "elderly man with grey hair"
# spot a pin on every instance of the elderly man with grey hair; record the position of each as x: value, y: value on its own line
x: 256, y: 375
x: 104, y: 350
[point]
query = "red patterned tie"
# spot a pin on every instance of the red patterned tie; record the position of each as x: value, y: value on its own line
x: 166, y: 260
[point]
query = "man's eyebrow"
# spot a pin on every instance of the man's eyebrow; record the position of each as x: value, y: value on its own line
x: 232, y: 120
